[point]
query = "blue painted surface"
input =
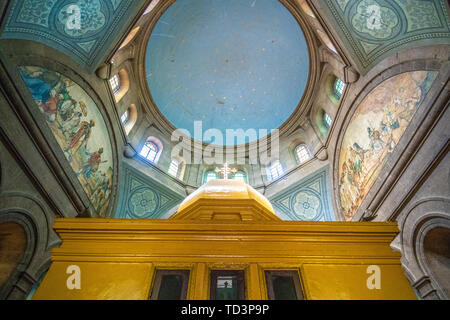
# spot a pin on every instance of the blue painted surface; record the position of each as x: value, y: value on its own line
x: 102, y: 23
x: 307, y: 200
x: 231, y: 64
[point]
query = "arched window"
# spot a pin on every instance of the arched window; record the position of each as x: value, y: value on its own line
x: 327, y: 121
x: 174, y: 168
x: 241, y: 176
x: 115, y: 84
x: 339, y: 87
x: 129, y: 118
x: 209, y: 176
x: 275, y: 171
x: 150, y: 151
x: 120, y: 84
x: 302, y: 153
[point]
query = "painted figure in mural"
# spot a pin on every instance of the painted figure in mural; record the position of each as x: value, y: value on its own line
x: 82, y: 136
x: 92, y: 164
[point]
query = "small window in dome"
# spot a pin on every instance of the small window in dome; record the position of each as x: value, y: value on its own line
x: 339, y: 87
x: 302, y: 154
x: 115, y: 84
x: 327, y: 121
x: 174, y: 168
x: 124, y: 118
x: 150, y: 151
x: 275, y: 170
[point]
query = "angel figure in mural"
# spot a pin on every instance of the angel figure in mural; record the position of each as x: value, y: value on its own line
x: 81, y: 137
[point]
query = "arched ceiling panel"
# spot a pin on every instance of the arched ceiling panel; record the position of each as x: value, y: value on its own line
x: 86, y: 30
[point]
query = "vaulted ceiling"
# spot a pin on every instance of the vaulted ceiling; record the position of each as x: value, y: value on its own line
x: 372, y: 30
x: 102, y: 24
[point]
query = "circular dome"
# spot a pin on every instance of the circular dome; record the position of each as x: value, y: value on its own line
x: 231, y: 64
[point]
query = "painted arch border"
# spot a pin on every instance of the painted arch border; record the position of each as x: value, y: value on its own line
x: 54, y: 62
x: 388, y: 73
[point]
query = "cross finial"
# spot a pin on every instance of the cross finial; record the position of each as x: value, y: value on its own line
x: 225, y: 171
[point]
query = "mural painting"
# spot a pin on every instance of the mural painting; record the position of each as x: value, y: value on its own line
x: 79, y: 129
x: 374, y: 132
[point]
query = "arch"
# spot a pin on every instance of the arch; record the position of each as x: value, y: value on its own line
x: 419, y: 220
x: 13, y: 242
x: 437, y: 256
x: 130, y: 37
x: 302, y: 153
x: 30, y: 215
x: 129, y: 118
x: 152, y: 149
x: 124, y: 85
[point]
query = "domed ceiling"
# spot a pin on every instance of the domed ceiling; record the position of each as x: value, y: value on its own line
x: 235, y: 64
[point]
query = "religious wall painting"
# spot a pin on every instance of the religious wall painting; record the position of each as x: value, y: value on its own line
x: 374, y: 131
x: 79, y: 129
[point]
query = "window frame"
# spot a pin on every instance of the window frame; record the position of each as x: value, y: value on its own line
x: 294, y: 274
x: 240, y: 275
x: 114, y: 83
x: 127, y: 118
x: 327, y: 123
x: 160, y: 273
x: 339, y: 88
x: 279, y: 170
x: 178, y: 166
x: 300, y: 159
x: 148, y: 153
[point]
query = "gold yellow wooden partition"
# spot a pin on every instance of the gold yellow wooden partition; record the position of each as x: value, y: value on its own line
x: 224, y: 225
x: 118, y: 258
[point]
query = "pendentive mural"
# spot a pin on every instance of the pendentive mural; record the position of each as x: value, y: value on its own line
x: 374, y: 132
x: 144, y: 198
x: 374, y: 29
x: 307, y: 200
x: 85, y: 30
x: 79, y: 129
